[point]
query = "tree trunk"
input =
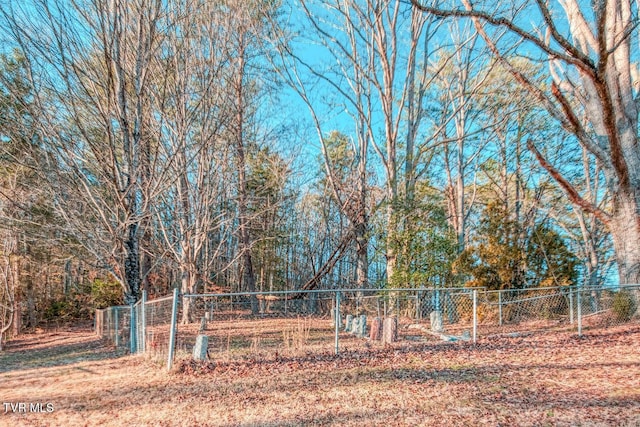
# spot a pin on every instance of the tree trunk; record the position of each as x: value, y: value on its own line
x: 79, y: 276
x: 392, y: 229
x: 460, y: 206
x: 187, y: 285
x: 625, y: 230
x: 27, y: 279
x: 17, y: 315
x: 67, y: 277
x: 592, y: 261
x: 361, y: 226
x: 132, y: 265
x: 248, y: 276
x: 362, y: 256
x: 14, y: 267
x: 145, y: 260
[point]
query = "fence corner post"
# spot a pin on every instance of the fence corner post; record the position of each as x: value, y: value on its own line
x: 475, y: 315
x: 579, y: 312
x: 500, y: 307
x: 117, y: 334
x: 143, y: 323
x: 570, y: 306
x: 337, y: 323
x: 174, y: 327
x: 133, y: 334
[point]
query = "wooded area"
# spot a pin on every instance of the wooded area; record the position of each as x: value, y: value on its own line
x: 216, y: 146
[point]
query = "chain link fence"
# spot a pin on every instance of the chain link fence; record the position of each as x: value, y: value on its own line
x: 142, y: 328
x: 257, y: 325
x: 560, y: 308
x: 602, y: 308
x: 421, y: 314
x: 273, y: 325
x: 113, y: 324
x: 157, y: 327
x: 523, y: 310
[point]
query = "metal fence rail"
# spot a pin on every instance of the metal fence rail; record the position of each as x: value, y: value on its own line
x: 268, y: 325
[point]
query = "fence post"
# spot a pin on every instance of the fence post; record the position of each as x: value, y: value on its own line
x: 133, y: 345
x: 475, y: 315
x: 570, y: 306
x: 143, y: 323
x: 579, y: 302
x: 500, y: 307
x: 174, y: 327
x: 117, y: 340
x: 337, y: 323
x: 108, y: 322
x: 97, y: 323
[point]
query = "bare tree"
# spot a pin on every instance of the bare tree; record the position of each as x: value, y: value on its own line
x: 590, y: 237
x: 9, y: 292
x: 90, y: 65
x: 32, y: 251
x: 592, y: 68
x: 248, y: 27
x: 464, y: 132
x: 238, y: 83
x: 191, y: 168
x: 374, y: 76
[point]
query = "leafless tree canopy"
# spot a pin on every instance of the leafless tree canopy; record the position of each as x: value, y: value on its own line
x: 218, y: 146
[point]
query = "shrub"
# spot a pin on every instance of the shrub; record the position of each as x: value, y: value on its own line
x: 74, y: 306
x: 57, y: 309
x: 624, y: 306
x: 105, y: 293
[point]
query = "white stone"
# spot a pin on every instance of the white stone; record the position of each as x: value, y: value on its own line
x: 200, y: 349
x: 436, y: 321
x: 348, y: 323
x: 362, y: 326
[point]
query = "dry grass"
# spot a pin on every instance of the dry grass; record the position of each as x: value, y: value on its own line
x: 536, y: 380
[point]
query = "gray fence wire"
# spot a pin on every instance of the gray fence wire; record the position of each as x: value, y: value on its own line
x: 113, y: 324
x: 271, y: 325
x: 600, y: 308
x: 142, y: 328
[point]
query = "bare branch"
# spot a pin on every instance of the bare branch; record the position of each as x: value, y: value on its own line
x: 574, y: 57
x: 569, y: 189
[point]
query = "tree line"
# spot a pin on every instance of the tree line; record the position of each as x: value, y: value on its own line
x: 217, y: 147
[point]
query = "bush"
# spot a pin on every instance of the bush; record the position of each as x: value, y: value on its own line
x: 74, y: 306
x: 106, y: 293
x: 57, y: 309
x: 624, y: 306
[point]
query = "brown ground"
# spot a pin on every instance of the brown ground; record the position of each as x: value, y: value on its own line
x: 537, y: 380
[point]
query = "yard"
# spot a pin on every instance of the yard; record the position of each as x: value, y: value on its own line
x: 69, y: 377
